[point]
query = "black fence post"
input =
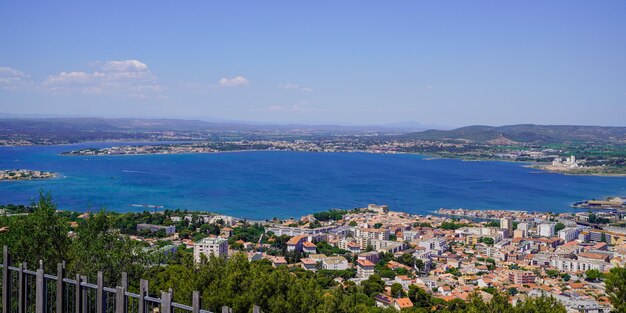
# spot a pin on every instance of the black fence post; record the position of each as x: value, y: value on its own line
x: 6, y: 287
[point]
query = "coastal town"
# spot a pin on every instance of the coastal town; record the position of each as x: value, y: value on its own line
x: 450, y: 254
x: 545, y: 159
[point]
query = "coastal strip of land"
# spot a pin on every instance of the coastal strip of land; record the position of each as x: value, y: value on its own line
x: 25, y: 174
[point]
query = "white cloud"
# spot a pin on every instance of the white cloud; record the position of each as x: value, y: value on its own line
x: 295, y: 87
x: 11, y: 78
x: 124, y: 77
x: 234, y: 82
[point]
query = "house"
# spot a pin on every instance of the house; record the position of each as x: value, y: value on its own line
x: 277, y: 261
x: 309, y: 264
x: 445, y: 290
x: 309, y: 247
x: 402, y: 303
x: 226, y: 232
x: 383, y: 301
x: 404, y: 280
x: 295, y: 243
x: 354, y: 247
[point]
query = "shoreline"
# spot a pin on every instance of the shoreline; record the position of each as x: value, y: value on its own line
x: 427, y: 156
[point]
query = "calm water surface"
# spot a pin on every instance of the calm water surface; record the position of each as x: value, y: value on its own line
x: 290, y: 184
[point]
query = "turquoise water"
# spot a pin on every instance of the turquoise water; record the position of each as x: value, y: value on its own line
x: 291, y: 184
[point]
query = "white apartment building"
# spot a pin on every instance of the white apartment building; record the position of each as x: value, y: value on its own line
x: 335, y: 263
x: 571, y: 265
x: 569, y: 234
x: 436, y: 244
x: 210, y: 246
x: 372, y: 233
x: 546, y: 229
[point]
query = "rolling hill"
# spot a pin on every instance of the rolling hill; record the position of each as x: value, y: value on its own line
x: 528, y: 133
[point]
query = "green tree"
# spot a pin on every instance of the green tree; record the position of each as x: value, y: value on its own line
x: 616, y: 288
x: 397, y: 291
x: 372, y: 285
x: 41, y: 235
x: 559, y: 226
x: 593, y: 275
x: 97, y: 247
x: 540, y: 304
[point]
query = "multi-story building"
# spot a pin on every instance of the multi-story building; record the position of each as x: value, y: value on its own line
x: 524, y: 226
x: 335, y: 263
x: 372, y: 233
x: 436, y: 244
x: 572, y: 265
x: 296, y: 243
x: 309, y: 247
x: 520, y: 233
x: 210, y: 246
x: 364, y: 268
x: 546, y: 229
x: 569, y: 234
x: 507, y: 224
x: 169, y: 230
x: 387, y: 245
x: 522, y: 277
x: 371, y: 256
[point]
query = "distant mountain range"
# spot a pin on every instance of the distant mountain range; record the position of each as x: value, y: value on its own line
x: 527, y: 133
x: 37, y: 123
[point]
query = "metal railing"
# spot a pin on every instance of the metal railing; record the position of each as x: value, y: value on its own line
x: 28, y: 291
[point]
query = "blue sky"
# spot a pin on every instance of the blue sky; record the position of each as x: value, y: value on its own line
x: 355, y: 62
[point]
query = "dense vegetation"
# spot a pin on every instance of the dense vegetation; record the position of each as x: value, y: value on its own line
x: 97, y: 245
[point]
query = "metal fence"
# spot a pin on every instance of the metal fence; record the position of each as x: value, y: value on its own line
x: 28, y: 291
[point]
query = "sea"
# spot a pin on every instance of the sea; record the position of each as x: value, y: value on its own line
x: 267, y: 184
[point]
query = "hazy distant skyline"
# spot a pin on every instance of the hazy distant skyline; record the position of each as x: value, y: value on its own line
x: 353, y: 62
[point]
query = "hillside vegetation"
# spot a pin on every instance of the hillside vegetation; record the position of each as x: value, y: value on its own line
x: 528, y: 133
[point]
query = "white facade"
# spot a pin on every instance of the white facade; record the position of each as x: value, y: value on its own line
x: 436, y: 244
x: 571, y: 265
x: 569, y: 234
x: 210, y: 246
x: 335, y: 263
x: 546, y: 229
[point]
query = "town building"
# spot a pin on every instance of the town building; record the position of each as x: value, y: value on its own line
x: 215, y: 246
x: 364, y: 268
x: 546, y: 229
x: 522, y: 277
x: 169, y: 230
x: 295, y: 243
x: 569, y: 234
x: 506, y: 223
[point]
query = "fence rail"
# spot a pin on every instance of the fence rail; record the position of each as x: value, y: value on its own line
x: 27, y: 291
